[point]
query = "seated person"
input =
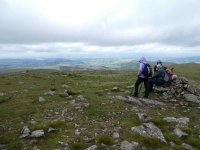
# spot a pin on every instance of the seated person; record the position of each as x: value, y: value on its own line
x: 158, y: 78
x: 155, y: 67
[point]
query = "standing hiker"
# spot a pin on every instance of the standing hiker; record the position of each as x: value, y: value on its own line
x: 144, y: 71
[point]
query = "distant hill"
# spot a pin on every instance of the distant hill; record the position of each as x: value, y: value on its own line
x: 84, y: 64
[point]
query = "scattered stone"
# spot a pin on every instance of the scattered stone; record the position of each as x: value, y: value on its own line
x: 130, y: 86
x: 132, y: 100
x: 192, y: 98
x: 49, y: 93
x: 41, y: 99
x: 86, y: 139
x: 149, y: 130
x: 62, y: 146
x: 127, y: 92
x: 64, y: 86
x: 93, y: 147
x: 135, y: 144
x: 33, y: 122
x: 32, y: 142
x: 80, y: 98
x: 138, y: 101
x: 143, y: 117
x: 115, y: 89
x: 121, y: 98
x: 170, y: 119
x: 160, y: 89
x: 77, y: 132
x: 187, y: 146
x: 115, y: 135
x: 172, y: 144
x: 183, y: 121
x: 35, y: 148
x: 63, y: 94
x: 63, y: 112
x: 20, y: 82
x: 52, y: 130
x: 151, y: 102
x: 179, y: 132
x: 2, y: 94
x: 37, y: 133
x: 191, y: 89
x: 184, y: 80
x: 25, y: 132
x: 2, y: 146
x: 73, y: 102
x: 125, y: 145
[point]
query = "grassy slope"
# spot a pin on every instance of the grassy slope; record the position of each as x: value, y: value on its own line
x: 19, y: 107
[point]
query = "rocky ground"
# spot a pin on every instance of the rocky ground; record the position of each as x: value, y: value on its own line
x: 94, y: 110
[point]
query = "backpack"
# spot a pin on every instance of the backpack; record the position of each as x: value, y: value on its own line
x: 168, y: 75
x: 147, y: 70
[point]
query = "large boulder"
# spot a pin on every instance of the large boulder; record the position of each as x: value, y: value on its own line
x: 192, y: 98
x: 149, y: 130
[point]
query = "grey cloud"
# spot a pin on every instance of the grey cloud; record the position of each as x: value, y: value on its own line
x: 173, y: 23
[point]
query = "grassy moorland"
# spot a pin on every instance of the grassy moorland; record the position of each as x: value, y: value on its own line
x: 19, y: 107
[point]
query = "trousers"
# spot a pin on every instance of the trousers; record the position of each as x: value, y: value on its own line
x: 137, y: 83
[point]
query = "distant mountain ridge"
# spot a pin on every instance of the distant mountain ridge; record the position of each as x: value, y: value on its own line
x: 85, y: 64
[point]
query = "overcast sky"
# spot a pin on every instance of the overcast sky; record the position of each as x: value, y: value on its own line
x: 99, y: 28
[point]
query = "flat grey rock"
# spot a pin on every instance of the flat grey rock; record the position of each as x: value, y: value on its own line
x: 41, y: 99
x: 37, y: 133
x: 170, y: 119
x: 178, y: 132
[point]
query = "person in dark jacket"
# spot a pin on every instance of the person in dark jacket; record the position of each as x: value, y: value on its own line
x: 155, y: 67
x: 141, y: 78
x: 157, y: 79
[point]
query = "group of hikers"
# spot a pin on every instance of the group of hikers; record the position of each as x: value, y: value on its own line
x: 160, y: 76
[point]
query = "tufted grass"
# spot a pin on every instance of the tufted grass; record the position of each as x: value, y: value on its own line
x: 21, y: 105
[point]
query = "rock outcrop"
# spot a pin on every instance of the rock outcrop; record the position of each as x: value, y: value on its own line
x: 149, y: 130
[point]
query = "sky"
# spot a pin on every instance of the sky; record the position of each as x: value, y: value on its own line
x: 99, y: 28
